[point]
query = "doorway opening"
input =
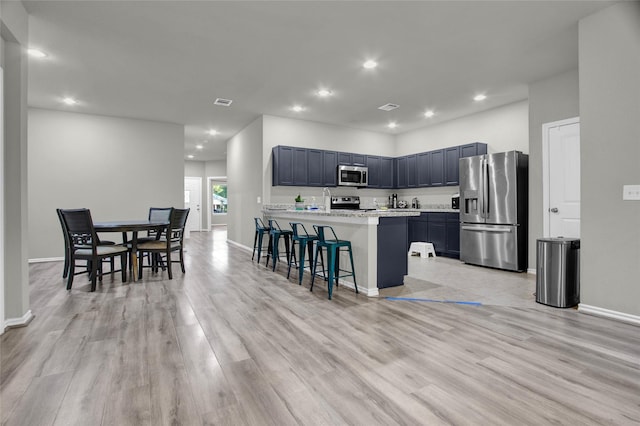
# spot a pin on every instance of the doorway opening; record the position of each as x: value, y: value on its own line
x: 217, y: 201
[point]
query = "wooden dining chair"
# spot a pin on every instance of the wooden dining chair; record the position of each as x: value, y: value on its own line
x: 172, y: 241
x: 156, y: 214
x: 83, y: 245
x: 67, y: 247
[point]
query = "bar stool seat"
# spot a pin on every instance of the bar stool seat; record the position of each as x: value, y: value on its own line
x: 304, y: 240
x: 261, y: 229
x: 275, y: 232
x: 333, y: 257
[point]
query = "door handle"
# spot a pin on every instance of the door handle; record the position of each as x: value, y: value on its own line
x: 553, y: 210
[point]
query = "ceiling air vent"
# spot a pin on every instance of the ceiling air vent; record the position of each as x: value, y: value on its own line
x: 222, y: 102
x: 389, y: 107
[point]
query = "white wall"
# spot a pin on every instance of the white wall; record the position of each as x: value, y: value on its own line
x: 552, y: 99
x: 504, y: 128
x: 117, y: 167
x: 14, y: 31
x: 610, y: 158
x: 244, y: 171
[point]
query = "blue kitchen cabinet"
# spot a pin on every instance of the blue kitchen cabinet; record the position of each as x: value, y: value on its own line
x: 437, y: 167
x: 289, y: 166
x: 373, y: 163
x: 417, y: 229
x: 451, y: 166
x: 392, y: 251
x: 315, y: 167
x: 300, y: 173
x: 471, y: 149
x: 330, y: 169
x: 351, y: 159
x: 401, y: 175
x: 437, y: 232
x: 424, y: 168
x: 452, y: 221
x: 412, y: 171
x: 386, y: 172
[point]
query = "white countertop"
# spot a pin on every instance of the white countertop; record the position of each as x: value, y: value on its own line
x: 347, y: 213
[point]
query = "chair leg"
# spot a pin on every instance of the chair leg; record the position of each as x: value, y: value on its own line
x: 289, y: 261
x: 140, y: 262
x: 182, y: 260
x: 301, y: 266
x: 353, y: 271
x: 123, y: 266
x: 96, y: 265
x: 71, y: 273
x: 274, y: 251
x: 65, y: 272
x: 169, y: 265
x: 269, y: 249
x: 255, y: 240
x: 315, y: 267
x: 331, y: 259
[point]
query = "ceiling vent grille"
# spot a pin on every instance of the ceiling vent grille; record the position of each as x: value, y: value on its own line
x: 222, y: 102
x: 389, y: 107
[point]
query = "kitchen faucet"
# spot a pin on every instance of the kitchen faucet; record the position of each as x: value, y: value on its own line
x: 325, y: 191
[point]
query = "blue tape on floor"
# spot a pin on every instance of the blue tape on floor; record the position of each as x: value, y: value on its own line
x: 414, y: 299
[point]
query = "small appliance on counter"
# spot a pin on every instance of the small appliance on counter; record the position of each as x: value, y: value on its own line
x: 455, y: 201
x: 351, y: 202
x: 415, y: 204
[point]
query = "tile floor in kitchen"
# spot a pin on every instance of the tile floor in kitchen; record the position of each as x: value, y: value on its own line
x: 442, y: 278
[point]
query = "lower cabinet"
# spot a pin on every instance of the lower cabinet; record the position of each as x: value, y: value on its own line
x: 440, y: 229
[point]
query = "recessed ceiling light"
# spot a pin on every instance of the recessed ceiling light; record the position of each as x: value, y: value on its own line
x: 35, y: 53
x: 199, y: 147
x: 392, y: 125
x: 480, y: 97
x: 324, y: 93
x: 370, y: 64
x: 429, y: 114
x: 69, y: 101
x: 189, y: 156
x: 213, y: 132
x: 297, y: 108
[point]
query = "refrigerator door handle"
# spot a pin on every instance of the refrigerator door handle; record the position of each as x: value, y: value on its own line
x: 486, y: 228
x: 485, y: 189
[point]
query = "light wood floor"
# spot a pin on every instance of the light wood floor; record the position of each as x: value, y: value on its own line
x: 231, y: 342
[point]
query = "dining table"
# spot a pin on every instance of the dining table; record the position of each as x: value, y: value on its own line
x: 134, y: 226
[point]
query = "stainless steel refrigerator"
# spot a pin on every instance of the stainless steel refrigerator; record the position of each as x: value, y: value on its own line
x: 493, y: 210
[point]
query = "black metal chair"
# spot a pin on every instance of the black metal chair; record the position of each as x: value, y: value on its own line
x: 156, y: 214
x: 83, y: 244
x: 173, y: 241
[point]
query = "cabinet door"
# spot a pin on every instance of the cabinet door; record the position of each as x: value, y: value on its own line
x: 344, y: 159
x: 417, y: 230
x: 424, y: 169
x: 330, y: 163
x: 471, y: 149
x: 453, y: 235
x: 437, y: 234
x: 386, y: 172
x: 300, y: 166
x: 412, y: 171
x: 451, y: 157
x: 282, y: 165
x: 373, y: 163
x: 401, y: 179
x: 315, y: 167
x: 437, y: 167
x: 359, y: 159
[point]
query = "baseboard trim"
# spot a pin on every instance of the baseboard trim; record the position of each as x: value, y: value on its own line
x: 46, y: 259
x: 531, y: 271
x: 607, y: 313
x: 369, y: 292
x: 242, y: 246
x: 23, y: 321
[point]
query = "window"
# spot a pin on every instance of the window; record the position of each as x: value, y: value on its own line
x: 218, y: 197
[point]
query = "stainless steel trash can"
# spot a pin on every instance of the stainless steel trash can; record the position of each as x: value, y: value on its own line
x: 558, y: 272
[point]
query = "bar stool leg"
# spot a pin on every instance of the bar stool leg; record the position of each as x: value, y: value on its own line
x: 353, y: 271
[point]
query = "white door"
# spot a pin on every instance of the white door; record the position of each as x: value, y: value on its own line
x: 192, y: 200
x: 562, y: 192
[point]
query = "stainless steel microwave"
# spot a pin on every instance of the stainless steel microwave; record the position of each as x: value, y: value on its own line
x: 353, y: 176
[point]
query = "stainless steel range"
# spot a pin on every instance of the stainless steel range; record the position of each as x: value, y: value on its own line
x: 351, y: 202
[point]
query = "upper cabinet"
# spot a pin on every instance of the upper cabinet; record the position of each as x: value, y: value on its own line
x: 296, y: 166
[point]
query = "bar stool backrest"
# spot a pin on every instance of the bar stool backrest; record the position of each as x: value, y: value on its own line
x: 273, y: 224
x: 320, y: 231
x: 296, y: 232
x: 260, y: 224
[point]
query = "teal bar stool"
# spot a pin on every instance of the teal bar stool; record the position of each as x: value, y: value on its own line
x: 261, y: 229
x: 275, y: 232
x: 333, y: 257
x: 304, y: 240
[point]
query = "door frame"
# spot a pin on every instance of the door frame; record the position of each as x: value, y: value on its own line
x: 199, y: 179
x: 546, y: 127
x: 209, y: 198
x: 2, y: 318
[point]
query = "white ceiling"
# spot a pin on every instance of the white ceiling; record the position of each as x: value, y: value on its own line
x: 169, y: 60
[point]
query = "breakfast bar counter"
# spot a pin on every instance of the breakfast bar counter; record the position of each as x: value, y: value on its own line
x: 378, y: 239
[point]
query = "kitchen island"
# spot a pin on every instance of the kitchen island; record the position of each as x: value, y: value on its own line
x: 378, y: 239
